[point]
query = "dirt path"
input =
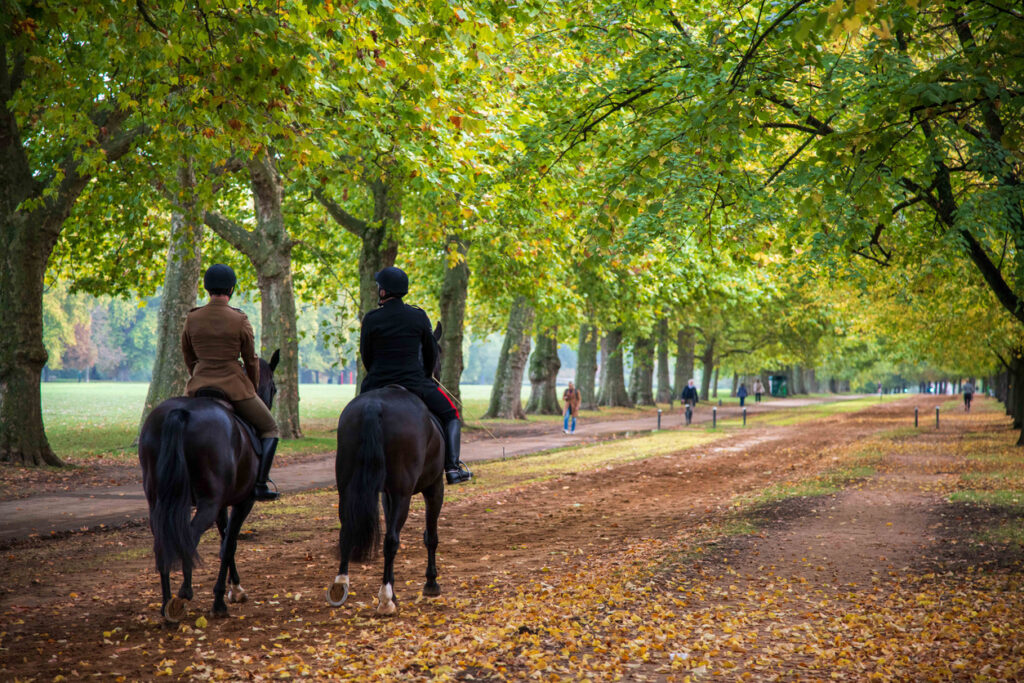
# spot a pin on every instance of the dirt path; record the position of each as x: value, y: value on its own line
x: 618, y: 572
x: 58, y: 507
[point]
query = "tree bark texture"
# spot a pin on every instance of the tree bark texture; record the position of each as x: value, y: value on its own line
x: 613, y: 388
x: 544, y: 367
x: 714, y: 384
x: 685, y: 344
x: 641, y: 377
x: 454, y: 291
x: 506, y: 393
x: 707, y: 359
x: 178, y: 297
x: 28, y: 236
x: 797, y: 383
x: 664, y: 380
x: 586, y: 366
x: 269, y: 248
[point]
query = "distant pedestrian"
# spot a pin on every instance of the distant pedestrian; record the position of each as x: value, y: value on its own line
x: 742, y: 394
x: 968, y: 390
x: 689, y: 397
x: 758, y: 390
x: 572, y: 398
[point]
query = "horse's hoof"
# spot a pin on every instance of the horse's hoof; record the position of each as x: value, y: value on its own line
x: 387, y: 609
x: 219, y: 613
x: 237, y: 594
x: 175, y: 610
x: 337, y: 594
x: 431, y: 590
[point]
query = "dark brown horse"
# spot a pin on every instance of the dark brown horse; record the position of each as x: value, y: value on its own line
x: 194, y: 454
x: 387, y: 444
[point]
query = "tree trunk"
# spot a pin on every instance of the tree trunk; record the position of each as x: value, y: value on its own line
x: 707, y: 360
x: 178, y: 297
x: 641, y: 378
x: 797, y: 384
x: 714, y: 384
x: 586, y: 366
x: 454, y: 291
x: 506, y: 401
x: 378, y: 245
x: 613, y: 387
x: 664, y: 381
x: 23, y: 262
x: 544, y: 366
x: 269, y: 248
x: 685, y: 343
x: 34, y: 204
x: 735, y: 383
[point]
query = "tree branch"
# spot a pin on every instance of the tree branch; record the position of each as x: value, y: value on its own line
x: 233, y: 233
x: 741, y: 67
x: 343, y: 218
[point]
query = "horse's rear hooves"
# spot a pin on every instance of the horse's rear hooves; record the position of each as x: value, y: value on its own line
x: 337, y: 594
x: 388, y: 609
x: 431, y: 590
x: 175, y: 610
x: 237, y: 594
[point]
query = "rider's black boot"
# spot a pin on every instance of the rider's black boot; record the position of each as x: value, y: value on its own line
x: 262, y: 492
x: 454, y: 471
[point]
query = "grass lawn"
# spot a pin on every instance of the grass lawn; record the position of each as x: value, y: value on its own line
x: 102, y: 418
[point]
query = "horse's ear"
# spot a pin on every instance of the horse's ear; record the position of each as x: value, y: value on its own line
x: 275, y: 359
x: 438, y: 331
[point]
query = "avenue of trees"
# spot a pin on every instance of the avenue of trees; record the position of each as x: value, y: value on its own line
x: 828, y: 190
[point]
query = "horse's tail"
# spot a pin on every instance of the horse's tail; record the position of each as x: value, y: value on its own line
x: 362, y: 494
x: 172, y: 511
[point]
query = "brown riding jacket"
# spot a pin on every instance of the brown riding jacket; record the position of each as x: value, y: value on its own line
x: 215, y: 335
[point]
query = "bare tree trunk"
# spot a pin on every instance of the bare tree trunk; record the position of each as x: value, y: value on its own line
x: 269, y: 248
x: 664, y: 385
x: 178, y: 297
x: 641, y: 379
x: 685, y: 343
x: 586, y: 366
x: 708, y: 369
x: 454, y: 291
x: 714, y: 384
x: 613, y: 387
x: 378, y: 244
x: 544, y: 366
x: 506, y: 401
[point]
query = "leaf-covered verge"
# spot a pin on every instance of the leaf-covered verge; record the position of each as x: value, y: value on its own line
x: 670, y: 567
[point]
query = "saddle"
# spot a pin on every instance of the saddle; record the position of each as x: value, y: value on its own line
x: 433, y: 418
x: 216, y: 394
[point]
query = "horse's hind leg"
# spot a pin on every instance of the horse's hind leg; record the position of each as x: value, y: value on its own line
x: 396, y: 510
x: 337, y: 594
x: 433, y: 497
x: 227, y: 555
x: 235, y: 591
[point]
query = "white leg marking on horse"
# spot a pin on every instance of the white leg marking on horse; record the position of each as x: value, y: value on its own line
x: 385, y: 605
x: 236, y: 593
x: 338, y: 592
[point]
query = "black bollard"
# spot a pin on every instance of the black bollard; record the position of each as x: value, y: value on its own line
x: 659, y: 418
x: 915, y: 417
x: 744, y: 416
x: 936, y: 417
x: 714, y: 417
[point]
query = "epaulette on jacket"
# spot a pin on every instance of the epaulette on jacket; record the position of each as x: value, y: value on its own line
x: 237, y: 309
x: 195, y: 309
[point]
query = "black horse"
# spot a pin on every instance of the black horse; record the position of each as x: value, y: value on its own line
x: 194, y: 453
x: 388, y: 444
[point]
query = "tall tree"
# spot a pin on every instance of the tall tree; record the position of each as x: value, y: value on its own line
x: 506, y: 393
x: 544, y: 366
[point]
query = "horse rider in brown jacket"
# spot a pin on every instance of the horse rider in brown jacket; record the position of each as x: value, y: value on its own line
x: 214, y: 337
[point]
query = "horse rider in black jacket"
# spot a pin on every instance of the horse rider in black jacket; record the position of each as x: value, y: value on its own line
x: 398, y: 347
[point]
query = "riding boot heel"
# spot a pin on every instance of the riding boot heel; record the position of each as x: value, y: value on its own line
x: 262, y: 491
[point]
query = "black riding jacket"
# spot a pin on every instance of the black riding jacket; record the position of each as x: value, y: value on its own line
x: 398, y: 347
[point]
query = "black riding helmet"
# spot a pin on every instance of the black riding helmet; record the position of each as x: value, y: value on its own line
x: 393, y: 280
x: 219, y: 279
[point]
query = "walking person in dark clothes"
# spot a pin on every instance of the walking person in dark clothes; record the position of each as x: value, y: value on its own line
x: 398, y: 347
x: 968, y: 390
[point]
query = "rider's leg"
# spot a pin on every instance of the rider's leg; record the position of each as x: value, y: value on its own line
x: 454, y: 471
x: 255, y: 411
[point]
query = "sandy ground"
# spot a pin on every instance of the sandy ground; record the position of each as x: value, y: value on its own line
x: 87, y: 604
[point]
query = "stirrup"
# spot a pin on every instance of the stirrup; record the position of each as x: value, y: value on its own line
x: 263, y: 492
x: 457, y: 476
